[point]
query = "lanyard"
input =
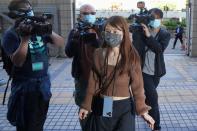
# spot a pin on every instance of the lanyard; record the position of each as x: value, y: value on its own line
x: 106, y: 81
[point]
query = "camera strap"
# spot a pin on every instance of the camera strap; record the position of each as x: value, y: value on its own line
x: 108, y: 100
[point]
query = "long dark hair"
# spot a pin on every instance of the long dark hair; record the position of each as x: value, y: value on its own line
x: 129, y: 56
x: 127, y: 51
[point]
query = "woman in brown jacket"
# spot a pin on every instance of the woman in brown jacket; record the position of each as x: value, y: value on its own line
x: 115, y: 84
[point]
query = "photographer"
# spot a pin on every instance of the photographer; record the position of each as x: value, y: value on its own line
x: 151, y: 45
x: 141, y: 7
x: 143, y: 12
x: 82, y: 42
x: 30, y: 91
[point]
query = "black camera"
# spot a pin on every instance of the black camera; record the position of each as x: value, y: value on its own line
x: 38, y: 24
x: 99, y: 24
x: 83, y: 27
x: 82, y: 31
x: 138, y: 19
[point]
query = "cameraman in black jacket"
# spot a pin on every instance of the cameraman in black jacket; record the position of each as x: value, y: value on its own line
x: 151, y: 51
x: 82, y: 42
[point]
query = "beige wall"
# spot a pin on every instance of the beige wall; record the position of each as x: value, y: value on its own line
x: 63, y: 16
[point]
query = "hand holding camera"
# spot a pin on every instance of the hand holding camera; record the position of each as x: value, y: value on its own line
x: 86, y: 28
x: 146, y: 30
x: 33, y: 25
x: 24, y: 29
x: 140, y: 19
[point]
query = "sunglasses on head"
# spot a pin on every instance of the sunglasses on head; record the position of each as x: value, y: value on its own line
x: 88, y: 13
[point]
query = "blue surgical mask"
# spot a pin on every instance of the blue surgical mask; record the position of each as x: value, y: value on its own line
x: 30, y: 13
x: 89, y: 18
x: 155, y: 23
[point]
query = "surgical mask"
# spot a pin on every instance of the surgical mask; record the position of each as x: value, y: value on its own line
x: 20, y: 13
x: 112, y: 39
x: 89, y: 18
x: 155, y: 23
x: 30, y: 13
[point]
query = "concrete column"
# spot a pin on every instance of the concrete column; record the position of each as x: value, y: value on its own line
x: 66, y: 20
x: 193, y: 28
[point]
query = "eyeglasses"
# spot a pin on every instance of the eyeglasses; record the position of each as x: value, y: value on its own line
x: 88, y: 13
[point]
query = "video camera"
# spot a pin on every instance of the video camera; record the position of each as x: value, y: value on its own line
x: 83, y: 27
x: 138, y: 19
x: 39, y: 24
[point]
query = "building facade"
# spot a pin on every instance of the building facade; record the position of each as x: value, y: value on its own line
x: 63, y: 17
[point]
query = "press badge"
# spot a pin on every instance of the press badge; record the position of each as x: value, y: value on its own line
x: 107, y: 106
x: 37, y: 66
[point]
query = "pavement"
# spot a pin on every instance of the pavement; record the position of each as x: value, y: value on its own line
x: 177, y: 96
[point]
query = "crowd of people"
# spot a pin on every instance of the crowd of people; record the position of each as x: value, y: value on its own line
x: 116, y: 72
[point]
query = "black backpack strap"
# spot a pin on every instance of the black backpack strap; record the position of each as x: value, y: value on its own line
x: 5, y: 92
x: 7, y: 85
x: 11, y: 73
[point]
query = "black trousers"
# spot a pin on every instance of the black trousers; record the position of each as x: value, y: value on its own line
x: 150, y: 85
x: 180, y: 37
x: 35, y: 112
x: 123, y: 117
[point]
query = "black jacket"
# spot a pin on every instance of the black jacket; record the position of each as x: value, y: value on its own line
x: 75, y: 47
x: 156, y: 45
x: 180, y: 32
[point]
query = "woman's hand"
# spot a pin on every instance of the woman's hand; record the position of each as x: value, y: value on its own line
x: 146, y: 30
x: 83, y: 113
x: 149, y: 120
